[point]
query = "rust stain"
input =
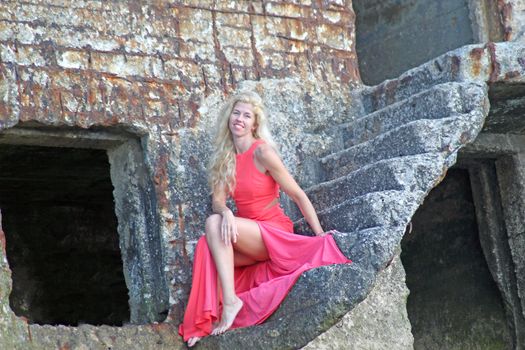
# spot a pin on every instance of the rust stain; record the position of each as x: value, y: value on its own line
x: 161, y: 178
x: 176, y: 242
x: 495, y: 67
x: 505, y: 11
x: 257, y: 57
x: 181, y: 218
x: 390, y: 91
x: 194, y: 116
x: 454, y: 67
x: 464, y: 137
x: 476, y: 55
x: 29, y: 334
x: 5, y: 110
x: 222, y: 61
x: 91, y: 95
x: 512, y: 74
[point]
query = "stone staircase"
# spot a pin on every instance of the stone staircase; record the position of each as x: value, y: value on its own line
x: 395, y: 152
x: 390, y: 159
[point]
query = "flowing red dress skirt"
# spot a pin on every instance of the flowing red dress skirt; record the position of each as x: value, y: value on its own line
x: 261, y: 286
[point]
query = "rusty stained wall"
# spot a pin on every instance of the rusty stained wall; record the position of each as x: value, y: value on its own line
x: 147, y: 67
x: 100, y: 63
x: 503, y: 19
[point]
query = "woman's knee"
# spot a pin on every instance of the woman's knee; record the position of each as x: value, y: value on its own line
x: 213, y: 224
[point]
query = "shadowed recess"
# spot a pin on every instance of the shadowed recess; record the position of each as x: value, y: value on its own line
x: 454, y: 302
x: 61, y: 232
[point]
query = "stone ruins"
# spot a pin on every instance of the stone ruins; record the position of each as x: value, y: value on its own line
x: 401, y: 119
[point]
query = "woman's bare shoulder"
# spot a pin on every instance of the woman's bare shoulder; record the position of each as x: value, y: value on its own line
x: 266, y: 154
x: 264, y: 150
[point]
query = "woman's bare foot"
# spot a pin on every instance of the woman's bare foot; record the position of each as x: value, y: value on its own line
x: 229, y: 312
x: 192, y: 341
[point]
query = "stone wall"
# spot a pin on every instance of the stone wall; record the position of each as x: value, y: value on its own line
x: 143, y: 81
x: 95, y: 63
x: 159, y: 70
x: 379, y: 322
x: 394, y: 36
x: 154, y: 73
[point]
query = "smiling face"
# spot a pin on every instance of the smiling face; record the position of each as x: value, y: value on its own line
x: 242, y: 120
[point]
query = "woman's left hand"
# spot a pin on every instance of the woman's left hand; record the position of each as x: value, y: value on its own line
x: 228, y: 227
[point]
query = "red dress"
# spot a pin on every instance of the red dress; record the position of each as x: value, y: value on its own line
x: 264, y: 285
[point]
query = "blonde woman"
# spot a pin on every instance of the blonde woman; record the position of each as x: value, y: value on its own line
x: 253, y: 252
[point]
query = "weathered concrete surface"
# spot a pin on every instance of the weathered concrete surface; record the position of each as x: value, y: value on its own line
x: 495, y: 243
x: 401, y: 31
x: 488, y: 63
x: 454, y: 302
x: 145, y: 71
x: 394, y: 36
x: 378, y: 322
x: 512, y: 15
x: 158, y: 71
x: 511, y: 181
x: 91, y: 63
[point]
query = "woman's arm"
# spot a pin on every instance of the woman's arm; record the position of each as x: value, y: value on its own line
x: 266, y: 156
x: 228, y: 226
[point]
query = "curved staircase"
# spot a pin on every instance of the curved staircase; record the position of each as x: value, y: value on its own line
x: 390, y: 159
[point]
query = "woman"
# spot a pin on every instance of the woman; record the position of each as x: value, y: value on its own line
x: 254, y: 253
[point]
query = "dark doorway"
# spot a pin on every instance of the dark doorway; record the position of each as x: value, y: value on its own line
x: 61, y: 231
x: 454, y: 302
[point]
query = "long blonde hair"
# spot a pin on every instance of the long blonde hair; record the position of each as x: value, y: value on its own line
x: 222, y: 162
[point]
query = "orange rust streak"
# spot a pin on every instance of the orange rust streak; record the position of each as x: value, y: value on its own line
x: 494, y: 64
x: 181, y: 219
x: 476, y: 55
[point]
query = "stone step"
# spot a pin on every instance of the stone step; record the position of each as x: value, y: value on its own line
x: 435, y: 103
x: 417, y: 137
x: 386, y: 208
x: 443, y: 69
x: 413, y: 172
x: 371, y: 248
x: 319, y: 298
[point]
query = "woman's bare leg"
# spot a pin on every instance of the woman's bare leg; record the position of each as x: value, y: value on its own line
x: 240, y: 259
x: 251, y: 248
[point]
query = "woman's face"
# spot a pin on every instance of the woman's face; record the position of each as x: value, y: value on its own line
x: 242, y: 119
